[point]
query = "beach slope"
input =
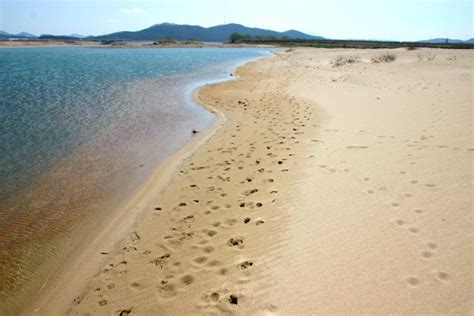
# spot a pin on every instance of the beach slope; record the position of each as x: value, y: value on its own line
x: 326, y: 190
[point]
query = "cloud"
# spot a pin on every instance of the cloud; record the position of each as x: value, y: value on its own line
x: 132, y: 11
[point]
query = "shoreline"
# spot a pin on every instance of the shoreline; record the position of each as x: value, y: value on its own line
x: 56, y: 302
x: 108, y: 234
x: 107, y: 237
x: 145, y: 44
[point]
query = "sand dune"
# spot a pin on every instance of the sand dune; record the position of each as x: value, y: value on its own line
x: 326, y: 190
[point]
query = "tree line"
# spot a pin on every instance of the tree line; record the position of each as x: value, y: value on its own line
x: 238, y: 37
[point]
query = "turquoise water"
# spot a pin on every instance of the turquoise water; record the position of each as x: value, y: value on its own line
x: 81, y: 128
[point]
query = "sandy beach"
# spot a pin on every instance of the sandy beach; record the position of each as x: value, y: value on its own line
x: 318, y: 190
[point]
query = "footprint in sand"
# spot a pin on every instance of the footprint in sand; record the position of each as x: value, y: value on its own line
x: 400, y: 222
x: 230, y: 221
x: 245, y: 265
x: 123, y: 312
x: 208, y: 249
x: 413, y: 281
x: 427, y: 255
x: 418, y: 210
x: 442, y: 276
x: 249, y: 192
x: 213, y: 263
x: 413, y: 230
x: 102, y: 302
x: 235, y: 242
x: 200, y: 260
x: 187, y: 279
x: 167, y: 289
x: 210, y: 233
x: 135, y: 285
x: 357, y: 147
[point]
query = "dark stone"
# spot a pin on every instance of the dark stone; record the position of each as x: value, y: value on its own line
x: 234, y: 299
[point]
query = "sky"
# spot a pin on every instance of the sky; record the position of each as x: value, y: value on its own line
x: 339, y: 19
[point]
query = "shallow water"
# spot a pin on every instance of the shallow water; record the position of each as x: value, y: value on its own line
x: 80, y: 129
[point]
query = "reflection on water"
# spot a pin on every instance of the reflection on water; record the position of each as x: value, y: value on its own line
x: 81, y: 128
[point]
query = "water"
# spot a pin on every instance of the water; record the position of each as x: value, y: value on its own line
x: 80, y: 129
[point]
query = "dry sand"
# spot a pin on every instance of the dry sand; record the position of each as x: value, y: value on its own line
x: 323, y: 190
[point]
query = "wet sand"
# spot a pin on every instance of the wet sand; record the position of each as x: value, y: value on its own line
x: 319, y: 190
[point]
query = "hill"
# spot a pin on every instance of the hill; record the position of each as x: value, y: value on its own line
x: 445, y: 40
x: 19, y: 35
x: 219, y: 33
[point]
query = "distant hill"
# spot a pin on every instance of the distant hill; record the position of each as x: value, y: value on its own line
x: 25, y: 34
x: 19, y: 35
x: 219, y: 33
x: 299, y: 35
x: 449, y: 41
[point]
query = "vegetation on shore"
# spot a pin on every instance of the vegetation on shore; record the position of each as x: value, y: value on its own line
x: 384, y: 58
x: 351, y: 59
x: 237, y: 38
x: 343, y: 60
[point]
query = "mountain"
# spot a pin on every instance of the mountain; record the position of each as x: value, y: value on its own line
x: 25, y: 34
x: 443, y: 41
x: 219, y: 33
x: 300, y: 35
x: 19, y: 35
x: 469, y: 41
x: 77, y: 35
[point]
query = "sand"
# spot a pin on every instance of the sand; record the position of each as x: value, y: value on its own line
x: 319, y: 190
x: 34, y: 43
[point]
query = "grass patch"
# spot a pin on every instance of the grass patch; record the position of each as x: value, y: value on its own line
x: 343, y: 60
x: 165, y: 41
x: 428, y: 56
x: 384, y: 58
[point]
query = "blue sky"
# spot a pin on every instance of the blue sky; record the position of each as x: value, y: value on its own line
x: 356, y: 19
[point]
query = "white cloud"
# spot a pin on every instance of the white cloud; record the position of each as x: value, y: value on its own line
x: 132, y: 11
